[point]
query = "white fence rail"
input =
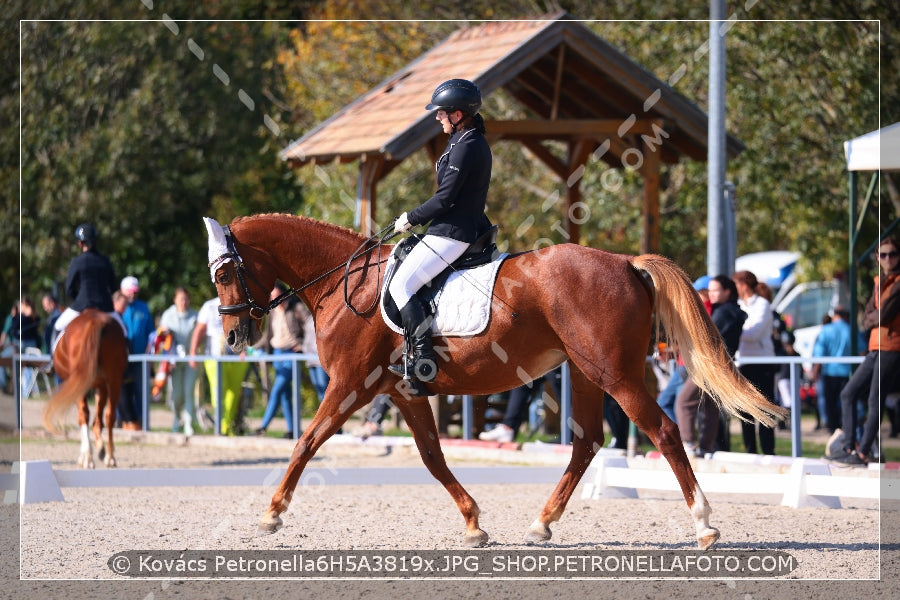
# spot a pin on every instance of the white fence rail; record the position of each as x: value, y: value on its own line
x: 146, y: 360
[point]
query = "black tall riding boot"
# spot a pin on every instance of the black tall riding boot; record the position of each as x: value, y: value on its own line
x: 421, y: 360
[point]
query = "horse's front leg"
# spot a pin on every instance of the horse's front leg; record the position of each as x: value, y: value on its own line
x: 86, y: 454
x: 420, y: 419
x: 339, y: 403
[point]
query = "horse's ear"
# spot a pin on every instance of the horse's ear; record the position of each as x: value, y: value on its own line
x: 218, y: 247
x: 217, y: 243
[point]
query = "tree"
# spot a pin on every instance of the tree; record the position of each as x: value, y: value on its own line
x: 142, y: 128
x: 131, y: 125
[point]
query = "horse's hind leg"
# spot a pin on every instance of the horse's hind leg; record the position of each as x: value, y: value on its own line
x: 419, y: 417
x: 646, y: 414
x: 86, y: 453
x: 587, y: 429
x: 98, y: 423
x: 106, y: 411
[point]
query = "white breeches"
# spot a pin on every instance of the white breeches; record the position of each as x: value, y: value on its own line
x: 425, y: 262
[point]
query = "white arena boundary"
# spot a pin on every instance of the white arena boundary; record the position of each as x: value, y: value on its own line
x: 37, y: 481
x: 800, y: 482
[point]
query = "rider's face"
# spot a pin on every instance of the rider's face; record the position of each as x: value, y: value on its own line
x: 445, y: 119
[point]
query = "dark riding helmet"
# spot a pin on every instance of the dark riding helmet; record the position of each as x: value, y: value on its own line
x: 456, y: 94
x: 86, y: 233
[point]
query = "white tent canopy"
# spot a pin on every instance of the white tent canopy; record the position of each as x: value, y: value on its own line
x: 876, y: 150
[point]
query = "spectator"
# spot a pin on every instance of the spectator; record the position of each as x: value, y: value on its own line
x: 691, y: 402
x: 517, y: 408
x: 209, y: 329
x: 51, y: 307
x: 180, y: 320
x: 667, y: 397
x: 375, y: 416
x: 783, y: 377
x: 317, y: 374
x: 139, y: 326
x: 756, y: 340
x: 833, y: 340
x: 8, y: 323
x: 25, y: 330
x: 120, y: 302
x: 283, y: 334
x: 618, y: 423
x: 25, y: 333
x: 882, y: 317
x: 6, y: 342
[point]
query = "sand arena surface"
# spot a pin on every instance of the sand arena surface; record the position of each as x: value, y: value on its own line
x: 65, y: 546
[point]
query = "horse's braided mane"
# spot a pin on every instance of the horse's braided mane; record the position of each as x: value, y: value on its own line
x: 339, y: 229
x: 288, y: 217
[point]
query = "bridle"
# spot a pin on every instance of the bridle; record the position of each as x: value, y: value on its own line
x: 258, y: 311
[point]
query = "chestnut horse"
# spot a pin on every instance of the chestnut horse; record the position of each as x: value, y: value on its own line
x: 91, y: 354
x: 564, y: 302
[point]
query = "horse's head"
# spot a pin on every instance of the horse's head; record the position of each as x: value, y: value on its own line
x: 243, y: 283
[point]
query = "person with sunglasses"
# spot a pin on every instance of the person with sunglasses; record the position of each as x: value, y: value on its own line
x: 879, y: 374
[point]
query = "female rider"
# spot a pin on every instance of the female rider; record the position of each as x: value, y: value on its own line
x: 456, y: 213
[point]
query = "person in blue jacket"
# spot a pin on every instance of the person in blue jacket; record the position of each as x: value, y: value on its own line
x: 456, y: 213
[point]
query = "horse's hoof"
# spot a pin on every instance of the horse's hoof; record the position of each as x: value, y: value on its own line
x: 110, y: 462
x: 269, y: 526
x: 538, y: 533
x: 477, y: 540
x: 708, y: 538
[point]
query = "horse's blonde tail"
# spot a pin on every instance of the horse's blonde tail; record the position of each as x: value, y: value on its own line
x: 83, y: 360
x: 687, y: 323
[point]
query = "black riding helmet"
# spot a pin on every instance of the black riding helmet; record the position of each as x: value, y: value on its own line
x: 456, y: 94
x: 86, y: 233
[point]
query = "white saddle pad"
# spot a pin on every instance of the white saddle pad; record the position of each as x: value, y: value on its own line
x: 463, y: 304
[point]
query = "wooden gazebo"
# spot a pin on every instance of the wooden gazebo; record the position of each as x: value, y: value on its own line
x: 578, y: 88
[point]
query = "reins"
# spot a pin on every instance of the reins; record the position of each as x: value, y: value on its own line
x: 258, y: 312
x: 382, y: 236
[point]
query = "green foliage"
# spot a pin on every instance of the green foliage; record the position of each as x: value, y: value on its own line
x: 142, y: 128
x: 126, y: 125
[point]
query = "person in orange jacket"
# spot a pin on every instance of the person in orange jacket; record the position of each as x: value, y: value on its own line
x: 879, y: 374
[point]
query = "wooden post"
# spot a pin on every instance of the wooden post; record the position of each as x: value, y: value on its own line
x: 579, y: 150
x: 650, y: 172
x: 367, y: 191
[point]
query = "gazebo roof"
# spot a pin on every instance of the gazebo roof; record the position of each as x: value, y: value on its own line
x: 557, y: 68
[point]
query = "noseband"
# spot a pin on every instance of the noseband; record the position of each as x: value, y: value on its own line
x: 255, y: 309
